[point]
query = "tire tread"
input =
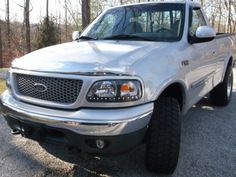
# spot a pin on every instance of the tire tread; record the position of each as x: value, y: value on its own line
x: 163, y: 142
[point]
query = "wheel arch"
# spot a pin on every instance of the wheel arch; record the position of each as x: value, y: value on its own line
x: 230, y: 62
x: 176, y: 90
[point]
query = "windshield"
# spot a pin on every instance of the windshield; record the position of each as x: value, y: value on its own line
x: 156, y: 22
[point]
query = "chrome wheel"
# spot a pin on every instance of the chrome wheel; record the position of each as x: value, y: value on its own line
x: 221, y: 94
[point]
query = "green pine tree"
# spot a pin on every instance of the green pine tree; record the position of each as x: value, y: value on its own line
x: 47, y: 34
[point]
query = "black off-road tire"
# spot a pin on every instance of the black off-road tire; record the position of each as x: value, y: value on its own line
x: 221, y: 94
x: 163, y: 139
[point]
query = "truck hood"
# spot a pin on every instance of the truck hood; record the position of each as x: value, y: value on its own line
x: 89, y: 56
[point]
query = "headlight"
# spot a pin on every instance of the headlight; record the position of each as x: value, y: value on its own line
x: 115, y: 91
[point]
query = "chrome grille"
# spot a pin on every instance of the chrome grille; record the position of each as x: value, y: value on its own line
x: 58, y: 90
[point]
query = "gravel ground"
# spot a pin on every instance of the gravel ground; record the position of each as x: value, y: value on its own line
x: 208, y: 149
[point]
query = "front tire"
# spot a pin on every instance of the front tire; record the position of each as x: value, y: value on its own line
x: 163, y: 140
x: 221, y: 94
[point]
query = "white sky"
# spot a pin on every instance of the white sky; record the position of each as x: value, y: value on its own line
x: 38, y: 9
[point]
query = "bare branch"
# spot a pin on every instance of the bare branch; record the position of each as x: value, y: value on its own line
x: 22, y: 6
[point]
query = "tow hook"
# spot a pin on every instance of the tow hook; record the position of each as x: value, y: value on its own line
x: 15, y: 132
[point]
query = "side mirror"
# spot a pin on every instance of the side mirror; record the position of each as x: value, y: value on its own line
x: 75, y: 35
x: 203, y: 34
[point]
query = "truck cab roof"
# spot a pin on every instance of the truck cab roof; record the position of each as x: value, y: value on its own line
x: 190, y: 2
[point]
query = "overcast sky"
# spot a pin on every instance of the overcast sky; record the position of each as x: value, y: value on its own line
x: 38, y: 9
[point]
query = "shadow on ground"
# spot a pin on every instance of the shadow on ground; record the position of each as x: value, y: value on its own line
x: 207, y: 149
x: 204, y: 148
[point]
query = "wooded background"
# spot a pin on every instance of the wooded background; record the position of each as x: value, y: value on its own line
x: 21, y: 37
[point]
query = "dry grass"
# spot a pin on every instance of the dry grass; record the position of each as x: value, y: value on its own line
x: 2, y: 81
x: 2, y: 86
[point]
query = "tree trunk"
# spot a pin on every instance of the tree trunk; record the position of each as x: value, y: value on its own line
x: 228, y: 4
x: 85, y: 13
x: 59, y: 26
x: 213, y: 20
x: 220, y: 16
x: 66, y: 24
x: 27, y: 26
x: 8, y: 25
x: 121, y: 2
x: 47, y: 16
x: 1, y: 55
x: 229, y: 17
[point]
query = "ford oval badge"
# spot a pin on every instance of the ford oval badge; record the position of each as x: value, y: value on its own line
x: 38, y: 87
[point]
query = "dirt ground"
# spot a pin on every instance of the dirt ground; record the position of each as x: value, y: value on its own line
x: 208, y: 148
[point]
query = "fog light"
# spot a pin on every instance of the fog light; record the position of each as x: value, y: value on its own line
x: 100, y: 144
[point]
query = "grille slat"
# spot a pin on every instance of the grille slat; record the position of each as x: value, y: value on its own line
x: 58, y: 90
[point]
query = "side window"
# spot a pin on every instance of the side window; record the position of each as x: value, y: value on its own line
x: 197, y: 20
x: 161, y: 20
x: 143, y: 21
x: 168, y: 21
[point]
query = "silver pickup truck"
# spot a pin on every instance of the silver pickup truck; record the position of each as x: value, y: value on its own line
x: 126, y: 80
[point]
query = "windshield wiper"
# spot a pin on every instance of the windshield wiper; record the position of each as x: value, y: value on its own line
x: 126, y: 37
x: 87, y: 38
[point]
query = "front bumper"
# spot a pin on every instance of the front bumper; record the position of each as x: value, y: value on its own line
x: 86, y: 123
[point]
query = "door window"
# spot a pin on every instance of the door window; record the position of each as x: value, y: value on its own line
x: 197, y: 20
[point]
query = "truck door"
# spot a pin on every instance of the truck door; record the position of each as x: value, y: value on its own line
x: 202, y: 60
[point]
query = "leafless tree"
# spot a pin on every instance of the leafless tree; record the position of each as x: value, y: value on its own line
x: 220, y: 15
x: 85, y: 13
x: 66, y: 24
x: 74, y: 13
x: 27, y: 26
x: 229, y: 5
x: 96, y: 8
x: 47, y: 7
x: 1, y: 55
x: 8, y: 25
